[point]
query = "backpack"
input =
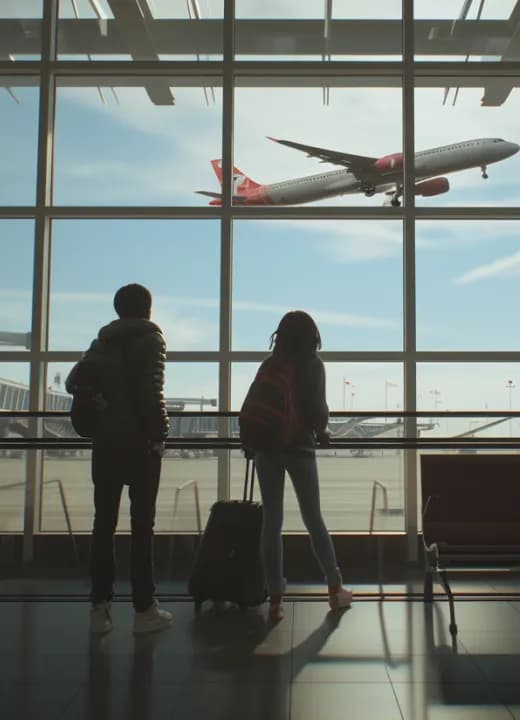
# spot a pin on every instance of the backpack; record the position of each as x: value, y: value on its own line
x: 268, y: 418
x: 85, y: 384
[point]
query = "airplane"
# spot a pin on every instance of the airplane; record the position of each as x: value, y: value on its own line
x: 368, y: 175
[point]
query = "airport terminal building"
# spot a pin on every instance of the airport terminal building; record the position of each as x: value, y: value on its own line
x: 241, y: 159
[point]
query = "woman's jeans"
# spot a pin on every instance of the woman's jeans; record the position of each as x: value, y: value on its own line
x: 303, y: 472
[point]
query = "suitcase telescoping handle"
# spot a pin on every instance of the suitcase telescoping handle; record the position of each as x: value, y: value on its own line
x: 249, y: 482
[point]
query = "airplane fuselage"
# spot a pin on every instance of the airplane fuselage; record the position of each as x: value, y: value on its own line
x: 428, y: 164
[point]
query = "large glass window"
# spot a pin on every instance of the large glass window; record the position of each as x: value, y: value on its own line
x: 117, y: 143
x: 466, y: 137
x: 14, y: 396
x: 467, y: 285
x: 177, y: 260
x: 18, y: 140
x: 192, y: 387
x: 17, y: 242
x: 416, y: 300
x: 346, y: 274
x: 470, y: 387
x: 295, y: 145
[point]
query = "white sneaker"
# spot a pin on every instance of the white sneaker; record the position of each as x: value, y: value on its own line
x: 152, y: 619
x: 101, y: 617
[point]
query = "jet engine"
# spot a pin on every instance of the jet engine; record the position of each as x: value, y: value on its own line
x: 435, y: 186
x: 389, y: 163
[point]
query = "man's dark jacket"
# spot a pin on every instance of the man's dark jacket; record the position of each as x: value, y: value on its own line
x: 128, y: 356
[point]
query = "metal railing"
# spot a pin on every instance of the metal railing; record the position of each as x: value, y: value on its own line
x: 384, y: 491
x: 211, y: 441
x: 379, y: 543
x: 180, y: 488
x: 64, y: 505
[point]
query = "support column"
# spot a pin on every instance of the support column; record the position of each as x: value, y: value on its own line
x: 410, y: 374
x: 226, y: 248
x: 41, y: 274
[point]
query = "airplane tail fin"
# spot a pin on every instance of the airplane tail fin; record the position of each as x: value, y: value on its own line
x: 241, y: 182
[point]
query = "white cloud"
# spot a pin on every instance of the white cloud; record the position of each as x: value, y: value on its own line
x: 323, y: 317
x: 503, y: 266
x: 363, y: 241
x: 77, y: 316
x: 15, y: 310
x: 189, y: 133
x: 185, y: 332
x: 445, y: 235
x: 348, y: 241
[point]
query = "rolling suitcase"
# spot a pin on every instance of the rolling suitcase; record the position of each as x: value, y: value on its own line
x: 228, y: 566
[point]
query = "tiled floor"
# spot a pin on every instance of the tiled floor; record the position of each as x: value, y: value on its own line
x: 390, y: 660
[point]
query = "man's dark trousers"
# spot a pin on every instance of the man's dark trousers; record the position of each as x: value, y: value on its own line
x: 112, y: 468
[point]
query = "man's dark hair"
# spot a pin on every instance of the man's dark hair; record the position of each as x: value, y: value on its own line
x: 133, y: 301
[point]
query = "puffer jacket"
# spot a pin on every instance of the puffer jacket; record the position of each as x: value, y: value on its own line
x: 130, y: 355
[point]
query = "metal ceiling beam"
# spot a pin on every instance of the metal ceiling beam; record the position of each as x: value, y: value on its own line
x: 364, y: 38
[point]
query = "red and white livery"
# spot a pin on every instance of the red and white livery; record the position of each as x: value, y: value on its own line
x: 367, y: 175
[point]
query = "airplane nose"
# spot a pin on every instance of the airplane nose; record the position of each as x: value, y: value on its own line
x: 513, y: 148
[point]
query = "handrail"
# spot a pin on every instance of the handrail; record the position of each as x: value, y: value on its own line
x: 376, y: 484
x: 64, y: 505
x: 350, y: 442
x: 333, y: 413
x: 230, y: 443
x: 178, y: 490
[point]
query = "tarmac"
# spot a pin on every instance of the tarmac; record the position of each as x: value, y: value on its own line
x: 346, y: 487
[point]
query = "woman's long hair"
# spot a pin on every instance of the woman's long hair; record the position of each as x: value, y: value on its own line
x: 297, y: 336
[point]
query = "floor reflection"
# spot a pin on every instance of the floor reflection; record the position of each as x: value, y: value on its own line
x: 392, y: 660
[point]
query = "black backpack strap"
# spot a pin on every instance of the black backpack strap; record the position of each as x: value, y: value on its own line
x: 249, y: 481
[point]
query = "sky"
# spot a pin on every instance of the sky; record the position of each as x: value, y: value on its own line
x: 122, y: 149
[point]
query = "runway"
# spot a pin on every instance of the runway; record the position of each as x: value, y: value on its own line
x: 346, y: 484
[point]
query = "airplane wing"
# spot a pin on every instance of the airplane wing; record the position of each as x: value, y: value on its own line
x: 359, y: 165
x: 210, y: 194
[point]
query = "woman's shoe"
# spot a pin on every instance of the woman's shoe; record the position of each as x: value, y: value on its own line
x: 275, y: 608
x: 339, y: 597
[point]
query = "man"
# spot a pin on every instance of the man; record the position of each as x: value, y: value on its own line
x: 128, y: 358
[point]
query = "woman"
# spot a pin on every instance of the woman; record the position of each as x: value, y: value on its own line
x: 297, y: 341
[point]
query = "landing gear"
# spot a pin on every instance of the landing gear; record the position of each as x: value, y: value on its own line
x: 369, y: 190
x: 484, y: 173
x: 393, y: 196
